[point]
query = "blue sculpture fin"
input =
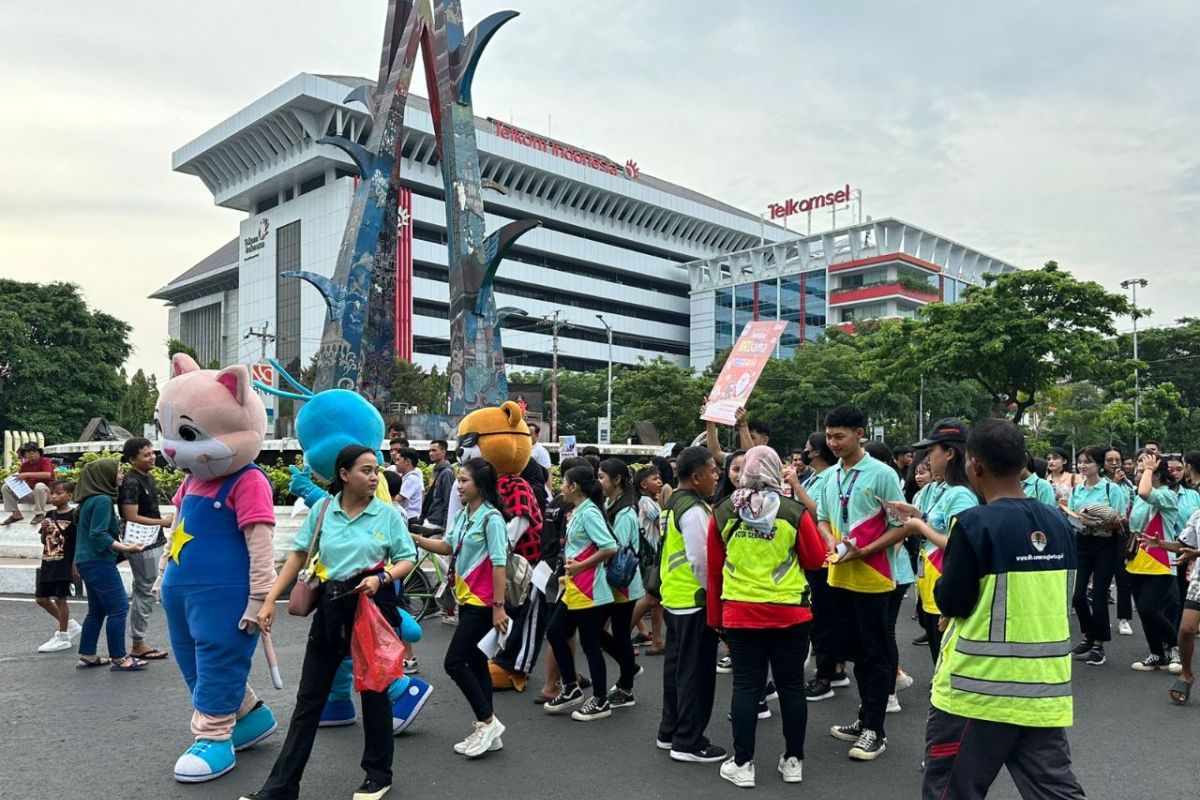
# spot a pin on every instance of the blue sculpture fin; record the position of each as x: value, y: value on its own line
x: 283, y: 373
x: 494, y: 248
x: 480, y: 35
x: 362, y: 157
x: 335, y: 295
x: 363, y: 95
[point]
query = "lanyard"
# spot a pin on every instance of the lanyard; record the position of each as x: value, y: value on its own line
x: 844, y: 497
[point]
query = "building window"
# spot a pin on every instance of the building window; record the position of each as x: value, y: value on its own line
x: 815, y: 295
x: 723, y: 332
x: 266, y: 203
x: 312, y: 183
x: 768, y: 300
x: 200, y: 329
x: 743, y: 307
x: 288, y: 194
x: 287, y: 297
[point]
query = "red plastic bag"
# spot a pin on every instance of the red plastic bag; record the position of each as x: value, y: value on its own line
x: 376, y: 649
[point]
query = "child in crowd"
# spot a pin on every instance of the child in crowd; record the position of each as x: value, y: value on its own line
x: 57, y: 572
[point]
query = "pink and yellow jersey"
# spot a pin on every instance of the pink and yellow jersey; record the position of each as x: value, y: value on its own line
x: 480, y: 542
x: 850, y: 503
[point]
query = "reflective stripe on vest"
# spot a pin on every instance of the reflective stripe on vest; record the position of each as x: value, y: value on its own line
x: 1010, y: 689
x: 762, y: 566
x: 680, y: 587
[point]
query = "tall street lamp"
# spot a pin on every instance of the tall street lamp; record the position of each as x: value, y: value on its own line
x: 1132, y: 285
x: 609, y: 329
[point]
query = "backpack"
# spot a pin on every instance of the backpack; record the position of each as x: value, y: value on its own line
x: 622, y: 567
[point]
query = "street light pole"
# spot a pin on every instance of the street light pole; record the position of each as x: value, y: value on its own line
x: 1132, y: 285
x: 608, y: 411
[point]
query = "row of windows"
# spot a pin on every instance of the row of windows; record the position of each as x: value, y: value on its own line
x: 200, y: 328
x: 800, y: 301
x: 287, y: 297
x: 513, y: 357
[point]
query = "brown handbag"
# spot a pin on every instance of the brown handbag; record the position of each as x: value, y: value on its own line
x: 306, y: 593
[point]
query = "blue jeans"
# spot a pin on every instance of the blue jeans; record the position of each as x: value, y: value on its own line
x: 106, y: 598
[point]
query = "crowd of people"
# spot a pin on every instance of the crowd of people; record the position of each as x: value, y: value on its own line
x: 741, y: 563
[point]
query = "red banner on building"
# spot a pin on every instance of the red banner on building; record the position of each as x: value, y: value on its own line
x: 404, y: 277
x: 740, y: 373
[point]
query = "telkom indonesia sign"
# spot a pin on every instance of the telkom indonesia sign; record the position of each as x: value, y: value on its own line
x: 789, y: 207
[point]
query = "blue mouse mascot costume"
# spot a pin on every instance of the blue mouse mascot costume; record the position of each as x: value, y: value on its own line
x: 329, y: 421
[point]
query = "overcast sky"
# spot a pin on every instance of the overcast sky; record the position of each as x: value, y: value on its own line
x: 1027, y: 130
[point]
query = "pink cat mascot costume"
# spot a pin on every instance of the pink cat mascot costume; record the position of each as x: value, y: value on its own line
x: 220, y: 564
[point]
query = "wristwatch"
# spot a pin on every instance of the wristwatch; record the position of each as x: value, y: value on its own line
x: 497, y: 604
x: 384, y: 577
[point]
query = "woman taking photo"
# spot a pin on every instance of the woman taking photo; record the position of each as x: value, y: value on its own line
x: 759, y: 544
x: 1155, y: 519
x: 97, y: 543
x: 649, y: 485
x: 478, y: 546
x: 619, y: 512
x: 585, y: 594
x: 948, y: 495
x: 1058, y: 472
x: 362, y: 547
x: 1097, y: 505
x: 730, y: 476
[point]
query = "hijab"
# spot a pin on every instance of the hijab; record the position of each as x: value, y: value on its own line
x: 757, y: 501
x: 97, y: 478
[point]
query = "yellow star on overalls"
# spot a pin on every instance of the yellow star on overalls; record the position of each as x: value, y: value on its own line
x: 179, y: 537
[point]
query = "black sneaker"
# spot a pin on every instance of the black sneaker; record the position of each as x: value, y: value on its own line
x: 817, y: 689
x: 565, y: 700
x: 619, y: 698
x: 1081, y: 650
x: 1150, y: 663
x: 923, y: 639
x: 1095, y: 656
x: 764, y: 711
x: 771, y: 693
x: 370, y: 790
x: 593, y: 709
x: 259, y: 795
x: 709, y: 754
x: 847, y: 733
x: 869, y: 746
x: 640, y: 639
x: 840, y: 681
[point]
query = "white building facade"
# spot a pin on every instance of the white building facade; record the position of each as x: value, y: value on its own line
x: 613, y: 240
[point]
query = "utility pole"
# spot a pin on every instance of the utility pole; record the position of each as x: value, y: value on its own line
x: 608, y: 328
x: 921, y: 411
x: 264, y: 338
x: 1132, y: 285
x: 554, y: 379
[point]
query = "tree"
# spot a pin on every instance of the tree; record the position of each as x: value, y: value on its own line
x: 582, y: 398
x: 1023, y: 333
x: 412, y: 387
x: 136, y: 407
x: 661, y: 392
x: 179, y: 346
x: 59, y: 360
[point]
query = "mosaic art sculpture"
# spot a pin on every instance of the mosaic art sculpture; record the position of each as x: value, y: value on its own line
x: 357, y: 347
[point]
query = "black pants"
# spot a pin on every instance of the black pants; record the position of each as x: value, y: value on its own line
x: 895, y: 603
x: 616, y: 642
x: 1098, y: 560
x: 963, y: 757
x: 1154, y: 595
x: 753, y: 650
x: 528, y: 629
x: 466, y: 664
x: 862, y: 623
x: 824, y: 627
x: 328, y: 645
x: 1124, y: 583
x: 1175, y: 607
x: 932, y: 633
x: 564, y: 622
x: 689, y: 681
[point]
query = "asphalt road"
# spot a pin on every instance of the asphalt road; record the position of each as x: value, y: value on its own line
x: 79, y: 734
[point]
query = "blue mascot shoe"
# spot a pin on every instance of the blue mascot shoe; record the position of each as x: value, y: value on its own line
x: 254, y: 727
x: 408, y: 705
x: 337, y: 713
x: 204, y: 761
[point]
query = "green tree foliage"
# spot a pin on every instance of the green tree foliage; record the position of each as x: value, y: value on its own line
x: 136, y: 406
x: 59, y: 360
x: 413, y: 387
x: 1023, y: 333
x: 582, y: 398
x: 662, y: 392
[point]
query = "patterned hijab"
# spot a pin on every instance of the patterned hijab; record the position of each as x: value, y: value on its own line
x: 757, y: 502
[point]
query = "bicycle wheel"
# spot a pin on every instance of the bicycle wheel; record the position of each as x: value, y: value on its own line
x: 418, y: 594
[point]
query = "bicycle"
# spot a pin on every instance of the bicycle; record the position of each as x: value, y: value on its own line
x: 420, y: 590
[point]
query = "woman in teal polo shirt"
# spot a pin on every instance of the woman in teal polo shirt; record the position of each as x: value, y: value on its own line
x: 363, y: 546
x: 1099, y: 551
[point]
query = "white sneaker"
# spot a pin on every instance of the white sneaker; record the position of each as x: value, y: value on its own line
x: 792, y: 769
x: 1174, y: 662
x: 1124, y: 628
x: 739, y: 776
x: 903, y: 681
x: 461, y: 747
x: 57, y: 643
x: 893, y: 706
x: 73, y: 628
x: 487, y: 733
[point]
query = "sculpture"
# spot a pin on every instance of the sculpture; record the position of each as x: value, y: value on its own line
x: 357, y: 348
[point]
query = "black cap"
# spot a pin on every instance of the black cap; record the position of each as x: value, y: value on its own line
x: 945, y: 431
x: 30, y: 447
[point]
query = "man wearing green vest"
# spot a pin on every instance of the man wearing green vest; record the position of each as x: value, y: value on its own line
x: 689, y: 664
x: 1002, y: 688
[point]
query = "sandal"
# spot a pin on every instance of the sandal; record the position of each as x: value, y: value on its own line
x: 152, y: 655
x: 1180, y: 691
x: 11, y: 520
x: 83, y: 663
x: 134, y: 665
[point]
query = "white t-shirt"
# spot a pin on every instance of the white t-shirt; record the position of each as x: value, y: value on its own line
x: 540, y: 455
x: 412, y: 488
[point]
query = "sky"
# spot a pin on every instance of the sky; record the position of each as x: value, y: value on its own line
x: 1027, y: 130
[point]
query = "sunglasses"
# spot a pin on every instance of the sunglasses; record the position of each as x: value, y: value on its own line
x: 472, y: 439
